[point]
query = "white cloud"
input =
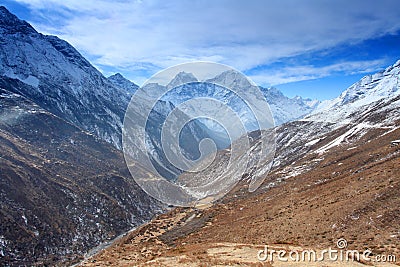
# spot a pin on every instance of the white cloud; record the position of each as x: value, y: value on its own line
x: 309, y: 72
x: 243, y: 34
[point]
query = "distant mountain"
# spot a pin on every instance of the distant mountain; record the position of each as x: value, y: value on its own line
x: 121, y: 82
x: 285, y: 109
x: 185, y: 86
x: 181, y: 78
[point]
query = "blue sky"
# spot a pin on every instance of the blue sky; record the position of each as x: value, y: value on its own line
x: 310, y: 48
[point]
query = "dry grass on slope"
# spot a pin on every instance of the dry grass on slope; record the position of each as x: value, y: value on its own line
x: 353, y: 193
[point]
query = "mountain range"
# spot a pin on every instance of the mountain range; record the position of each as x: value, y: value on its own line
x: 65, y: 187
x: 335, y: 177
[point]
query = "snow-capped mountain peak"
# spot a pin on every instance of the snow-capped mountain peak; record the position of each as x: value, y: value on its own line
x: 371, y: 88
x: 121, y: 82
x: 181, y: 78
x: 231, y: 79
x: 312, y: 103
x: 10, y: 24
x: 286, y: 109
x: 378, y: 85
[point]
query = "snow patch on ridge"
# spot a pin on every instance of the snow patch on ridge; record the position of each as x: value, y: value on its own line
x: 30, y: 80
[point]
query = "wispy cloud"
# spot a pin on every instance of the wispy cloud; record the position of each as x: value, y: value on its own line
x: 310, y: 72
x: 150, y: 35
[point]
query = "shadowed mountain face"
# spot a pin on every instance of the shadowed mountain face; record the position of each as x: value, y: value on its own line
x: 62, y: 190
x: 64, y: 186
x: 189, y: 138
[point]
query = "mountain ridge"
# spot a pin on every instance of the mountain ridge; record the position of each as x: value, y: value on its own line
x: 14, y: 24
x: 64, y: 183
x: 63, y: 81
x: 120, y: 81
x: 369, y: 89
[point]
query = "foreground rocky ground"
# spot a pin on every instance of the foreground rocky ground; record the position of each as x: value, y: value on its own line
x: 352, y: 192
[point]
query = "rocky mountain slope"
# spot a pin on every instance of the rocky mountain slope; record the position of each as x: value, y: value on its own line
x: 62, y: 190
x: 350, y: 194
x: 334, y: 176
x: 59, y: 108
x: 59, y: 79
